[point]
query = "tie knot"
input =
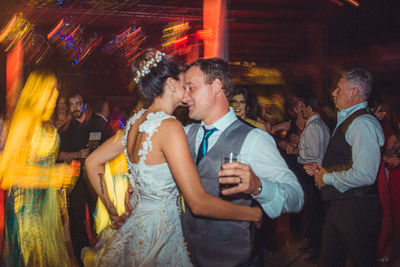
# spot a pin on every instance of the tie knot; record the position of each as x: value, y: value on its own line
x: 204, y: 144
x: 208, y: 132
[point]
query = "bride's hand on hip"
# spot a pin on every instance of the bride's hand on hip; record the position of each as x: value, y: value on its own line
x: 128, y: 196
x: 117, y: 220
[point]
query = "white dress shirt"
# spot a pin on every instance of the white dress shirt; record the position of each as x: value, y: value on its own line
x: 365, y: 135
x: 313, y: 140
x: 281, y: 192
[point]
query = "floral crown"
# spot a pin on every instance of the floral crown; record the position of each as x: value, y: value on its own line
x: 145, y: 69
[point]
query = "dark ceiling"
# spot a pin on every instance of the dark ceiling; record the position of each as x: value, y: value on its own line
x: 303, y: 39
x: 268, y: 32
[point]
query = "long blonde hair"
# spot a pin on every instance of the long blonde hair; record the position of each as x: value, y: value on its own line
x: 33, y: 102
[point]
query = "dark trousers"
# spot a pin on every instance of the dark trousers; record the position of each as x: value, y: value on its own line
x: 79, y: 197
x: 313, y: 211
x: 351, y: 229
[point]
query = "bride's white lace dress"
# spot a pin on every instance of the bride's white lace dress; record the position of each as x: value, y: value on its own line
x: 152, y: 236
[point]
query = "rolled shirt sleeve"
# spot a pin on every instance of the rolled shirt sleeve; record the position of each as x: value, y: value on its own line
x: 281, y: 192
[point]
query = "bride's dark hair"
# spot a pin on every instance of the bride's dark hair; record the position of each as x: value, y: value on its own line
x: 151, y: 69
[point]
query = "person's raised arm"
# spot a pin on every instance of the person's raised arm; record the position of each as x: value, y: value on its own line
x: 180, y: 161
x: 95, y: 170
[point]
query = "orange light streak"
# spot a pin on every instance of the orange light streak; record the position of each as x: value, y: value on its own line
x: 354, y: 3
x: 73, y: 32
x: 134, y: 32
x: 14, y: 66
x: 56, y: 29
x: 214, y: 18
x: 181, y: 41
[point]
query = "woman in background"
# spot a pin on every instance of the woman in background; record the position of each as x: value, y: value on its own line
x: 391, y: 194
x: 246, y: 107
x: 61, y: 117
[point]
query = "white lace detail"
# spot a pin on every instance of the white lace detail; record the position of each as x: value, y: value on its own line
x: 138, y: 171
x: 152, y: 235
x: 129, y: 124
x: 150, y: 126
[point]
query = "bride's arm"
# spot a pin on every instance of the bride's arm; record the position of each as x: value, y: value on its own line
x: 95, y: 170
x: 176, y: 151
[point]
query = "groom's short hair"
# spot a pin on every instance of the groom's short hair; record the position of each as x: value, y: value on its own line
x: 215, y: 68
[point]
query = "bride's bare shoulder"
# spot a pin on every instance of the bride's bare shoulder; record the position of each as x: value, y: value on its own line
x: 171, y: 124
x: 171, y: 127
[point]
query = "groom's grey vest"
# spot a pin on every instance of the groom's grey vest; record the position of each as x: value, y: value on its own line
x: 218, y: 242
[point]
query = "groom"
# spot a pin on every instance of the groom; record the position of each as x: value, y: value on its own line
x: 265, y: 178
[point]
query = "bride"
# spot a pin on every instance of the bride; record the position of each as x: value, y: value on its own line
x: 160, y: 167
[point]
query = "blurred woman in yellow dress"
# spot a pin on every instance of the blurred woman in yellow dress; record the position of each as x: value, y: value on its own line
x: 34, y: 235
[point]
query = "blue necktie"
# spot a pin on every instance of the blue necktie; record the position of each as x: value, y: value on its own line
x: 204, y: 144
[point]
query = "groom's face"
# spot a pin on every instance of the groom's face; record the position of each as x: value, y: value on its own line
x: 198, y: 94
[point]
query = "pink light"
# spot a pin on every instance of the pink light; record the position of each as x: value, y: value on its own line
x: 118, y: 36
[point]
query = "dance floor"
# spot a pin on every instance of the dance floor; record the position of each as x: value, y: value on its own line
x: 287, y: 253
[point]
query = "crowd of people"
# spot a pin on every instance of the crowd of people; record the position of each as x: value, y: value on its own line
x: 180, y: 204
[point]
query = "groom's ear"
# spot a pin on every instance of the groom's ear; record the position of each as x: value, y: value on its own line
x: 217, y: 86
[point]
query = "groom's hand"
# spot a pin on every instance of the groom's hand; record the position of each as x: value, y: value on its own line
x: 240, y: 174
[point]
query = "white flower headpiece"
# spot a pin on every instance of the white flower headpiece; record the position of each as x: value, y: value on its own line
x: 149, y: 64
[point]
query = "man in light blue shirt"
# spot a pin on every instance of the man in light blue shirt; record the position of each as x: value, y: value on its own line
x: 347, y: 176
x: 266, y: 175
x: 261, y: 174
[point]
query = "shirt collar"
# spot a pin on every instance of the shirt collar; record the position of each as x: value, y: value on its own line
x: 345, y: 113
x: 313, y: 117
x: 223, y: 123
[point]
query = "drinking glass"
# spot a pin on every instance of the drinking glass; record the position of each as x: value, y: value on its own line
x: 228, y: 157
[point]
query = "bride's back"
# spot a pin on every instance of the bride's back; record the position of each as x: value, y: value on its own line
x: 136, y: 139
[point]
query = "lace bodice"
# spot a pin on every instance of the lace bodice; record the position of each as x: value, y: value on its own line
x: 150, y: 181
x: 152, y: 235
